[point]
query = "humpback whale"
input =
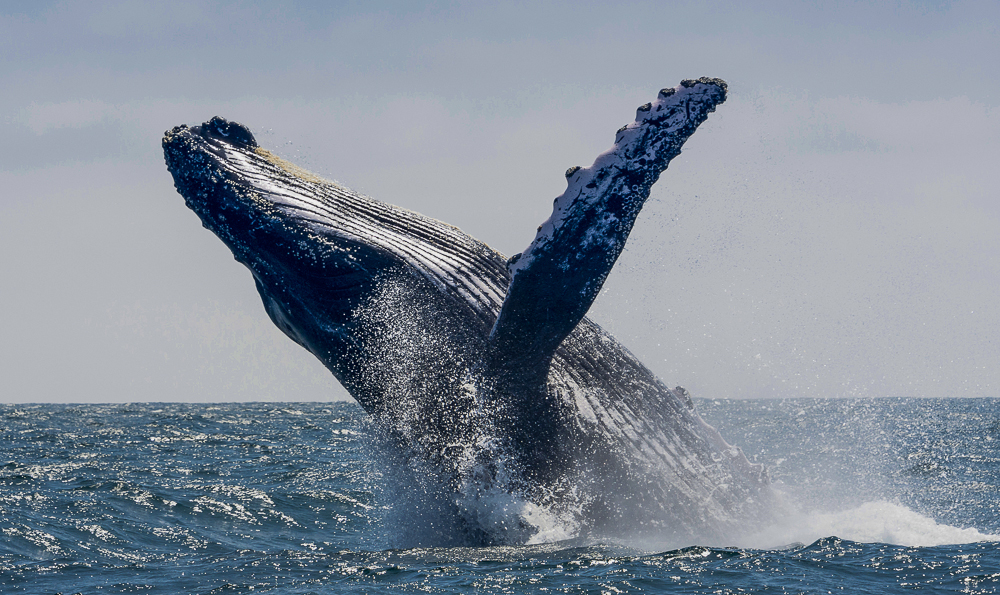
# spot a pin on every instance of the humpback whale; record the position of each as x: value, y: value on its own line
x: 484, y: 371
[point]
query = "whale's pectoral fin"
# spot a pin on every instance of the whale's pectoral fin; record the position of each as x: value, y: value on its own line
x: 557, y: 278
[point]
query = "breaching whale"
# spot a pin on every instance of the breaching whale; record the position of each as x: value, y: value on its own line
x: 484, y: 371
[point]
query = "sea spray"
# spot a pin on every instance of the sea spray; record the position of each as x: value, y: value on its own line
x: 457, y: 487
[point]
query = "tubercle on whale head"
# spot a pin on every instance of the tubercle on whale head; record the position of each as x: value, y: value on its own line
x: 233, y: 132
x: 195, y: 157
x: 215, y: 130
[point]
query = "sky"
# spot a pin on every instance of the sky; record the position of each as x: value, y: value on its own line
x: 833, y: 230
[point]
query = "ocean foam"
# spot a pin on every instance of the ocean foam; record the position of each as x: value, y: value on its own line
x: 878, y: 521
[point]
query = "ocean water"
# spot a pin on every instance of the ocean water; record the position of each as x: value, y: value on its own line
x: 879, y: 496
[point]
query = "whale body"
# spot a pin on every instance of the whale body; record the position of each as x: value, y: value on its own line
x: 484, y: 372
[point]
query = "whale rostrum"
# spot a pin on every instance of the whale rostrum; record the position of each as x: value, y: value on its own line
x: 481, y: 369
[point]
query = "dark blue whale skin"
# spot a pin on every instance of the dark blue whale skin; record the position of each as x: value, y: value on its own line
x: 486, y: 370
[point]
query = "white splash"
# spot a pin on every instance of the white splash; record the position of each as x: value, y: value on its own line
x: 878, y: 521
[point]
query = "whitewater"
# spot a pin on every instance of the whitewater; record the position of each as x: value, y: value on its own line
x: 878, y: 495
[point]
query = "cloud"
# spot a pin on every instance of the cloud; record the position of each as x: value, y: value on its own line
x: 44, y: 117
x: 831, y: 228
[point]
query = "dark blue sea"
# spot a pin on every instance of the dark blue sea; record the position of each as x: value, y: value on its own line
x: 879, y: 496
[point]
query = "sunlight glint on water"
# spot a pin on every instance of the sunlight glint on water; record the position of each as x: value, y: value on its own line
x: 167, y: 498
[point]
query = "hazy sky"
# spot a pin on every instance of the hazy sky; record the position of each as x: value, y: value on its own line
x: 833, y: 230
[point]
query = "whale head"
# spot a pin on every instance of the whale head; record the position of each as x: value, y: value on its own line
x: 307, y: 269
x: 319, y: 251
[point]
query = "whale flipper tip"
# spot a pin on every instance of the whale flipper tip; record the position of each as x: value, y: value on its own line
x: 558, y: 277
x: 705, y: 80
